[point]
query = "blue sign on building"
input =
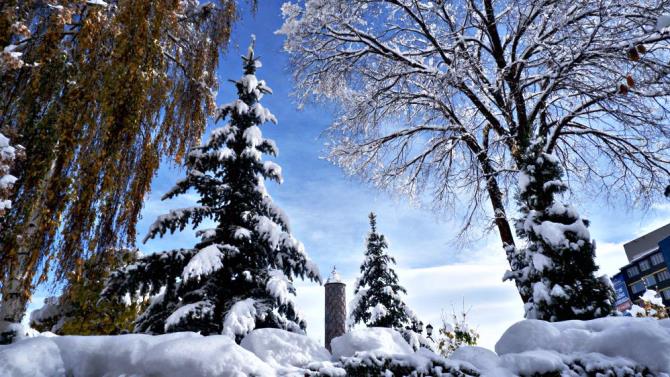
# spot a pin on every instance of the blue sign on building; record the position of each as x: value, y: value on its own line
x: 621, y: 291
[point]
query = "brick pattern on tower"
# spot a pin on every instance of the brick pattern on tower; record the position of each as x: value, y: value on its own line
x: 335, y: 308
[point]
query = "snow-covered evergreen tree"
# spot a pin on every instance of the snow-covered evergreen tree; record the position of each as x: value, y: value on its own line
x: 240, y: 275
x: 377, y: 301
x: 556, y: 269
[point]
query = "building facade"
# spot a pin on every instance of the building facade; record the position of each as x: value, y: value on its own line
x: 648, y: 268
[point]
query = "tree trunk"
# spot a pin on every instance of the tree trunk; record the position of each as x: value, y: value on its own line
x: 504, y: 229
x: 493, y: 189
x: 15, y: 288
x: 17, y: 283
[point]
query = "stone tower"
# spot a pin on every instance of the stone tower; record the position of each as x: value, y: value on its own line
x: 336, y: 307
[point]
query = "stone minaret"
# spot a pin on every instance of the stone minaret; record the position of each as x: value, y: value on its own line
x: 336, y: 307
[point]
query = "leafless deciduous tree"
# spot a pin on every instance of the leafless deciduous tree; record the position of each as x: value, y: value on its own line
x: 446, y: 97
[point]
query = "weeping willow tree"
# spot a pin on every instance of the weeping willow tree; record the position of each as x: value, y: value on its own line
x: 98, y: 93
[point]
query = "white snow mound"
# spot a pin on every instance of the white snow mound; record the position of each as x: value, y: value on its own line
x: 176, y: 354
x: 281, y: 348
x: 375, y: 340
x: 619, y: 345
x: 645, y: 341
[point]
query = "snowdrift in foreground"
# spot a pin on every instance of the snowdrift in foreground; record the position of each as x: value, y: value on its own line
x: 284, y: 350
x: 619, y: 347
x: 645, y: 341
x: 178, y: 354
x: 376, y: 340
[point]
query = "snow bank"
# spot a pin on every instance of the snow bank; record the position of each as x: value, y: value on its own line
x: 617, y: 346
x: 642, y: 341
x: 377, y: 340
x: 541, y: 362
x: 482, y: 359
x: 280, y: 348
x: 36, y: 357
x: 382, y: 351
x: 177, y: 354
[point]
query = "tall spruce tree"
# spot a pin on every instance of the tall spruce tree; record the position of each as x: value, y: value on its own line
x: 556, y: 269
x: 239, y: 276
x: 377, y: 301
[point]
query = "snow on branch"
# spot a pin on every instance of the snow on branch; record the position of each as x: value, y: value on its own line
x: 177, y: 219
x: 446, y: 96
x: 205, y: 262
x: 241, y: 318
x: 280, y: 287
x: 197, y: 310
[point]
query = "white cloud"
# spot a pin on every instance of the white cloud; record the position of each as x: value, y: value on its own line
x: 610, y: 256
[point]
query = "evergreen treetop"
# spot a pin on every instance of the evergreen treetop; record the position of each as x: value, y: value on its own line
x: 240, y: 275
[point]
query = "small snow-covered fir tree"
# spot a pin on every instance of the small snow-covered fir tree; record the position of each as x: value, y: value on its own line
x: 240, y: 275
x: 652, y: 306
x: 556, y: 270
x: 377, y: 301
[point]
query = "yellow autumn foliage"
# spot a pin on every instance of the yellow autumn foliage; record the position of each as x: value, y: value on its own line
x: 103, y: 95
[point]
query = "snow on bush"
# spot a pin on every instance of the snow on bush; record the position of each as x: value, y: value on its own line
x: 652, y: 306
x: 642, y: 341
x: 377, y: 351
x: 421, y: 363
x: 547, y: 363
x: 282, y: 349
x: 608, y: 347
x: 375, y: 340
x: 176, y: 354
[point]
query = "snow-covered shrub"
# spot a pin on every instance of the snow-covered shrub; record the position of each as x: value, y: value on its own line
x: 279, y: 348
x: 652, y: 306
x: 171, y: 355
x: 375, y: 350
x: 611, y: 342
x: 609, y: 347
x: 455, y: 333
x: 417, y: 340
x: 544, y: 363
x: 50, y: 316
x: 380, y: 340
x: 422, y: 363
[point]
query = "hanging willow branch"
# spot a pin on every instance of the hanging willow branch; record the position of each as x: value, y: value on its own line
x: 103, y: 93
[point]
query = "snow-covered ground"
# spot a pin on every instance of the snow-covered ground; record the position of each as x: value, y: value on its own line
x: 618, y: 346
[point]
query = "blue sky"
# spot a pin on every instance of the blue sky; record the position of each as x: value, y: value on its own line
x: 328, y: 211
